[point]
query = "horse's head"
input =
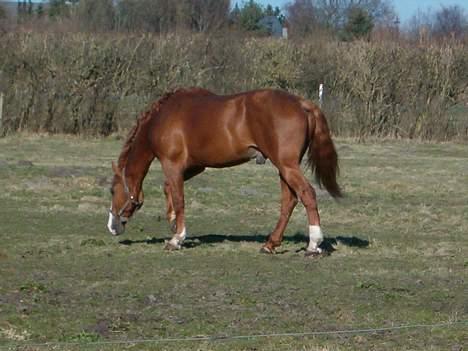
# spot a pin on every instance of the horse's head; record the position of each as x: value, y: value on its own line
x: 125, y: 201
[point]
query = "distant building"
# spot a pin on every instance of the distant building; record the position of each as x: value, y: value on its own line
x: 272, y: 25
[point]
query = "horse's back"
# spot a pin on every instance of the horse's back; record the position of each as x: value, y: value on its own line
x: 218, y: 131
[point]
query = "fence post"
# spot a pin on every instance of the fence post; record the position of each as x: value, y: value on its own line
x: 1, y: 102
x: 1, y: 111
x: 321, y: 94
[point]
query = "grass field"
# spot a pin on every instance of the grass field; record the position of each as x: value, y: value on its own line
x: 400, y: 238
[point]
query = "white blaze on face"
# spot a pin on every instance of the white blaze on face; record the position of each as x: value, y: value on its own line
x: 114, y: 225
x: 111, y: 224
x: 315, y: 238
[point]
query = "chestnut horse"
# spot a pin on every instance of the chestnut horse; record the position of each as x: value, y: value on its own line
x: 191, y: 129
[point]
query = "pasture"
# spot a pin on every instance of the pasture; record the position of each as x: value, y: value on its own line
x: 399, y: 241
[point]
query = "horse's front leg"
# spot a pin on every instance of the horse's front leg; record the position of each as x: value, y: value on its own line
x: 170, y: 213
x: 176, y: 190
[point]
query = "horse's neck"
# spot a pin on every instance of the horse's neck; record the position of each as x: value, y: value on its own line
x: 138, y: 161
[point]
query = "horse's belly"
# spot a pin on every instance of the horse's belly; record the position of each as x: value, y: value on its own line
x: 225, y: 157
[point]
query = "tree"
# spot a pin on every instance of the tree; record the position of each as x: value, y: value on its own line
x: 334, y: 13
x: 420, y: 25
x: 450, y: 21
x: 235, y: 14
x: 270, y: 11
x: 30, y: 8
x: 249, y: 15
x: 22, y: 11
x: 58, y: 8
x: 3, y: 13
x: 40, y: 10
x: 359, y: 24
x: 165, y: 16
x: 206, y: 15
x: 131, y: 15
x: 96, y: 15
x: 301, y: 15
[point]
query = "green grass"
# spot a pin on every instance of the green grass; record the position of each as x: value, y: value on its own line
x: 400, y: 239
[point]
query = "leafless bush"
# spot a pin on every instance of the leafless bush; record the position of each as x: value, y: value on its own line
x: 98, y: 83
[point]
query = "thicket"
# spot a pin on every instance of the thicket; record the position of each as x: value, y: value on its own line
x: 97, y: 84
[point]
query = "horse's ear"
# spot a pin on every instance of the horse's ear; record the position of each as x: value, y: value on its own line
x: 116, y: 169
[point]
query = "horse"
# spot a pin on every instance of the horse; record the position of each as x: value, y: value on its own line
x: 188, y: 130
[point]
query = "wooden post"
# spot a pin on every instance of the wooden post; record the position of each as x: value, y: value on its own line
x: 1, y: 101
x: 321, y: 94
x: 1, y: 111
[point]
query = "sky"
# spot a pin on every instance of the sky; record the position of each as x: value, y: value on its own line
x: 404, y: 8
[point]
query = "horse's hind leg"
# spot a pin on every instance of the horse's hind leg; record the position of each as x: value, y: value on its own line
x: 306, y: 193
x: 288, y: 202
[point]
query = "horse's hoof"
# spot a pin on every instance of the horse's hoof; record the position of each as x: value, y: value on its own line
x: 171, y: 247
x: 266, y: 250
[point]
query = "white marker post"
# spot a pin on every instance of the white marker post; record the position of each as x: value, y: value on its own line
x: 1, y: 110
x: 1, y: 101
x: 321, y: 94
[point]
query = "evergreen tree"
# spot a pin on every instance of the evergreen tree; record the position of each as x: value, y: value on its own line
x: 40, y: 10
x: 269, y: 11
x: 358, y: 25
x: 235, y: 14
x: 249, y: 15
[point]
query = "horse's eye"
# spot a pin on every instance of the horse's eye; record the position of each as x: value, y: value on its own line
x: 112, y: 191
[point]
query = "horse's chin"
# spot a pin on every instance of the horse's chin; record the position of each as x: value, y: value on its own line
x: 117, y: 231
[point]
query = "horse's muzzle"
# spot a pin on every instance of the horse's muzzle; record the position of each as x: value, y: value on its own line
x: 115, y: 225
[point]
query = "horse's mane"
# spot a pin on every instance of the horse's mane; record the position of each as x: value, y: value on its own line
x: 147, y: 115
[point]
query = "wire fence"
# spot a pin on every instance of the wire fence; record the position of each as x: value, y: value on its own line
x: 218, y: 338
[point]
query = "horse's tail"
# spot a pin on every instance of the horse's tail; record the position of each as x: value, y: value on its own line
x: 321, y: 154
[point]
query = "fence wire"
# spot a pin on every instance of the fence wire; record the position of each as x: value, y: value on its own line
x: 215, y: 338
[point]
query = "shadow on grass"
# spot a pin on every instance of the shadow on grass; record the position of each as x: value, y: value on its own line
x: 129, y: 242
x: 328, y: 244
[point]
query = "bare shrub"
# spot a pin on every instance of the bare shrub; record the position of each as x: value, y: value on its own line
x: 98, y: 83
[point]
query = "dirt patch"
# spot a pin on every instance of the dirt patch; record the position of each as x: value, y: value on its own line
x: 39, y: 183
x: 25, y: 163
x: 100, y: 328
x: 248, y: 191
x: 65, y: 172
x: 103, y: 181
x: 90, y: 207
x: 11, y: 333
x: 92, y: 199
